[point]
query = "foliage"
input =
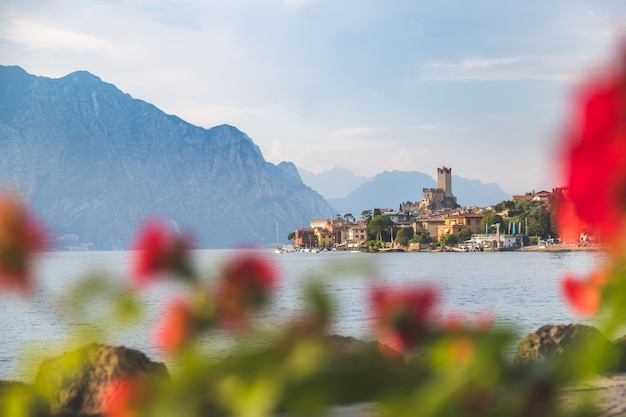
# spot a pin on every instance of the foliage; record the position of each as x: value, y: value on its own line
x: 422, y: 238
x: 291, y: 236
x: 536, y: 217
x: 489, y: 219
x: 403, y: 236
x: 449, y: 239
x: 464, y: 235
x: 378, y: 225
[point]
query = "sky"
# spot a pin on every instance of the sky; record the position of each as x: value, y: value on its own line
x: 483, y: 87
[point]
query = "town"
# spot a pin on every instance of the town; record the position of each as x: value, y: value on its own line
x: 439, y: 223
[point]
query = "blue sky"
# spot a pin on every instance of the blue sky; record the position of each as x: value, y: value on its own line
x: 479, y: 86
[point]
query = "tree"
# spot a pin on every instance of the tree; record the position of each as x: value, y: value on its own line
x: 449, y: 239
x: 377, y: 225
x: 422, y: 238
x: 349, y: 217
x: 291, y: 236
x: 490, y: 219
x: 464, y: 235
x: 366, y: 214
x: 404, y: 235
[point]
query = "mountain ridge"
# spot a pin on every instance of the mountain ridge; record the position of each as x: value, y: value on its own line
x: 93, y: 161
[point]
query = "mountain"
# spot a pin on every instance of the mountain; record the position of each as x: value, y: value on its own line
x: 389, y: 189
x: 333, y: 183
x: 93, y: 162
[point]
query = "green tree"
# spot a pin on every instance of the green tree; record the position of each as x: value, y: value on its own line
x: 403, y: 236
x: 449, y: 239
x: 377, y: 225
x: 490, y: 219
x: 367, y: 214
x: 464, y: 235
x: 349, y: 217
x: 422, y: 238
x: 291, y: 236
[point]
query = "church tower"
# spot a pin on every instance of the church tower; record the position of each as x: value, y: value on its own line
x: 444, y: 180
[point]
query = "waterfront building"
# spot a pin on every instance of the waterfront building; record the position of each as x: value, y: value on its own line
x: 458, y: 222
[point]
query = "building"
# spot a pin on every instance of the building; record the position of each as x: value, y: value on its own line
x: 440, y: 197
x: 306, y: 237
x: 458, y: 222
x: 324, y: 238
x: 429, y: 225
x: 538, y: 196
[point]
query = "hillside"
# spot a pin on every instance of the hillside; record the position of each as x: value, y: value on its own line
x: 93, y: 162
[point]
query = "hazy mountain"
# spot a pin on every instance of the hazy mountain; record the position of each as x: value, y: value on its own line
x: 333, y: 183
x: 389, y: 189
x: 93, y: 162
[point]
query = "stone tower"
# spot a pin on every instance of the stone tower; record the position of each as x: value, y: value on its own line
x: 444, y: 180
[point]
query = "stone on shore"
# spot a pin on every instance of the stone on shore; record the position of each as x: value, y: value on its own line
x: 550, y: 341
x: 76, y: 382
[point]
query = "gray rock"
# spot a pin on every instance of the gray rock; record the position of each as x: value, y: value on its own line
x: 550, y: 341
x: 75, y: 383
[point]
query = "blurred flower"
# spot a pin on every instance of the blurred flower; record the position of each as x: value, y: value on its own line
x: 176, y: 328
x: 21, y: 236
x: 125, y: 397
x: 160, y: 250
x: 584, y: 296
x: 595, y: 159
x: 402, y: 316
x: 245, y: 284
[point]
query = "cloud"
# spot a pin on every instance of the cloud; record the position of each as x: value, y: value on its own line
x: 39, y: 35
x: 358, y: 132
x: 515, y: 68
x: 276, y: 153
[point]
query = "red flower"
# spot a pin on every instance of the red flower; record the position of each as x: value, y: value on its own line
x: 21, y: 236
x: 402, y: 316
x: 177, y: 327
x: 245, y: 284
x: 584, y: 296
x: 124, y: 397
x: 595, y: 165
x: 160, y: 250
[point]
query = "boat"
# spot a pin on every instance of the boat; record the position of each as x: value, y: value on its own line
x: 459, y: 249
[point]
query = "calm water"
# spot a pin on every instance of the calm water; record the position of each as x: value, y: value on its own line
x: 520, y: 289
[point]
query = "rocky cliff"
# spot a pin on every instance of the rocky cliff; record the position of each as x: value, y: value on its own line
x: 93, y: 162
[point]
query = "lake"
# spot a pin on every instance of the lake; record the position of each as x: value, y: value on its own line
x: 520, y: 289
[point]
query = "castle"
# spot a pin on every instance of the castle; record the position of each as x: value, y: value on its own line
x: 440, y: 197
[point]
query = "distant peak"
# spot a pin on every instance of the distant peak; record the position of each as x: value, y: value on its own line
x: 13, y: 69
x: 83, y: 76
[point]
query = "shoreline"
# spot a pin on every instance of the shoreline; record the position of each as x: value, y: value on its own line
x: 564, y: 248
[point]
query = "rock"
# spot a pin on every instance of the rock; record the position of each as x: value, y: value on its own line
x: 550, y: 341
x: 75, y: 382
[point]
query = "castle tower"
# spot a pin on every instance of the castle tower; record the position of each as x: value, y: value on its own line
x: 444, y: 180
